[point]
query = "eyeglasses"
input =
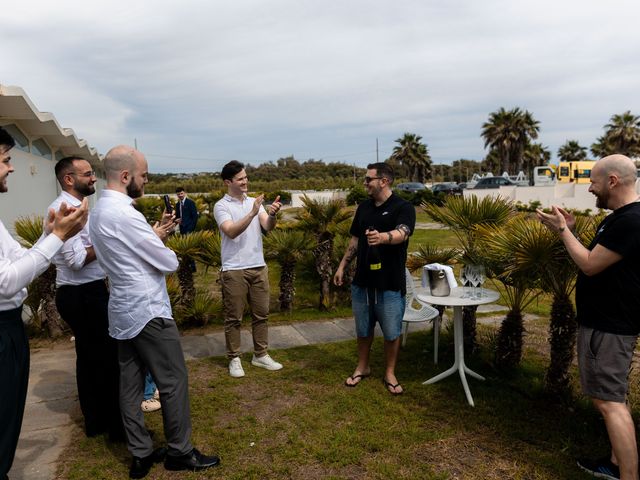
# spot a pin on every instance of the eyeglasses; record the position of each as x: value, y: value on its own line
x: 371, y: 179
x: 92, y: 173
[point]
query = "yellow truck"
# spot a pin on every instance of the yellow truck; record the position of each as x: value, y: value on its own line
x: 576, y: 172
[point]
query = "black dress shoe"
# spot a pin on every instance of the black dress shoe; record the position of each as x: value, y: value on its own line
x: 140, y: 466
x: 191, y: 461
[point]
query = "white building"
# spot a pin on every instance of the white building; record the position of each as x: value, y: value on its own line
x: 40, y: 142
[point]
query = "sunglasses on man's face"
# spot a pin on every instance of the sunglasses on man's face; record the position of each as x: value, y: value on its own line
x: 371, y: 179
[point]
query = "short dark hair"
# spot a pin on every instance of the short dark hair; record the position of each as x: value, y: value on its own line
x: 231, y: 169
x: 65, y: 165
x: 6, y: 139
x: 382, y: 170
x: 179, y: 189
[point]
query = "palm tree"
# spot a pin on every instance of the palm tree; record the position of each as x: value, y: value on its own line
x: 622, y: 135
x: 322, y: 218
x: 41, y: 297
x: 412, y: 157
x: 463, y: 215
x: 513, y: 252
x: 286, y: 247
x: 535, y: 155
x: 572, y: 151
x: 509, y: 132
x: 188, y: 248
x: 429, y: 253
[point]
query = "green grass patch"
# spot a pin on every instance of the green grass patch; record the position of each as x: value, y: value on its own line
x: 302, y: 423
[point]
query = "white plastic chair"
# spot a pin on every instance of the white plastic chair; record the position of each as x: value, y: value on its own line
x: 423, y: 314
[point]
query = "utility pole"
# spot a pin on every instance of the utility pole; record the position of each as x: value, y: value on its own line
x: 377, y: 159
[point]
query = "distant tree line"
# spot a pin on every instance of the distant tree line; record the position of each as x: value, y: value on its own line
x: 509, y: 136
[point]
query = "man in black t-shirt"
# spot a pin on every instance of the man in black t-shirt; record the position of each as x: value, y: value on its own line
x: 608, y: 307
x: 379, y: 236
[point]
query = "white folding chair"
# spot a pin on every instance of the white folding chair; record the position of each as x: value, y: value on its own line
x: 422, y: 314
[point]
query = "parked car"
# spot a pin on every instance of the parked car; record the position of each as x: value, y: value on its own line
x: 448, y: 188
x: 494, y: 182
x: 411, y: 187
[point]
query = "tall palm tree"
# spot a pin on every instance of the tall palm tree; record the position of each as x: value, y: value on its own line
x: 287, y: 247
x: 622, y: 135
x: 508, y: 132
x: 412, y: 156
x: 187, y: 247
x: 512, y: 254
x: 463, y: 215
x: 572, y: 151
x: 41, y: 297
x: 322, y: 218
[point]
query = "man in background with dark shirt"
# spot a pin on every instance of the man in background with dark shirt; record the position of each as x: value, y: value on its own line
x: 379, y: 237
x: 608, y: 307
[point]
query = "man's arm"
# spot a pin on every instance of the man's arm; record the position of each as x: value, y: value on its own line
x: 21, y: 266
x: 268, y: 220
x: 147, y: 243
x: 232, y: 229
x: 590, y: 262
x: 349, y: 255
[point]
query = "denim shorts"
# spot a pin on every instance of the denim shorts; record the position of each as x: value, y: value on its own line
x: 604, y: 360
x: 384, y: 306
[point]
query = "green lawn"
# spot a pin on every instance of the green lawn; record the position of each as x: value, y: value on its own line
x: 302, y: 423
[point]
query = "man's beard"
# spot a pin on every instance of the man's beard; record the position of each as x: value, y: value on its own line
x: 135, y: 191
x: 85, y: 190
x: 602, y: 201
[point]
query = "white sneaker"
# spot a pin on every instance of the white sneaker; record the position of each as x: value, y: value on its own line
x: 150, y: 405
x: 235, y: 368
x: 266, y: 362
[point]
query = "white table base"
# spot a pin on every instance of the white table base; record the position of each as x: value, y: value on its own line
x: 458, y: 364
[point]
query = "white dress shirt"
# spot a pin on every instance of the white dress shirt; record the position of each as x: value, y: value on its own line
x: 69, y: 261
x: 20, y: 266
x: 135, y: 260
x: 244, y: 251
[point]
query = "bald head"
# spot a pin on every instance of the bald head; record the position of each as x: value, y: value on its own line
x: 620, y: 166
x: 126, y: 170
x: 119, y: 159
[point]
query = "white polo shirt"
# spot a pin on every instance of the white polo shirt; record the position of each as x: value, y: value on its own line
x: 244, y: 251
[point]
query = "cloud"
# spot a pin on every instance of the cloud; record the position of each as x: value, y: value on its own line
x: 254, y: 80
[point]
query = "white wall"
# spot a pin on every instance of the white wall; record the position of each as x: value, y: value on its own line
x: 296, y: 197
x: 32, y: 187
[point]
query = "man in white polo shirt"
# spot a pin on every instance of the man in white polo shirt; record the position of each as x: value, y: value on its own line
x: 82, y: 298
x: 244, y: 275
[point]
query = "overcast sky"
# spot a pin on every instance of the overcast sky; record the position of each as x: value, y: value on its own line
x: 199, y: 83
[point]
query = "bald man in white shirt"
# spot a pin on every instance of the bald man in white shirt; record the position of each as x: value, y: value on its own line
x: 136, y: 261
x: 82, y: 298
x: 19, y: 267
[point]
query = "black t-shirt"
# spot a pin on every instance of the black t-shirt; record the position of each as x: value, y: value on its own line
x: 384, y: 218
x: 610, y: 300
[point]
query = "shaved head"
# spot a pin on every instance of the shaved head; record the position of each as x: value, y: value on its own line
x: 120, y: 158
x: 619, y: 165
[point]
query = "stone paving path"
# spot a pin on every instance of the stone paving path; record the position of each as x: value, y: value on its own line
x: 52, y: 401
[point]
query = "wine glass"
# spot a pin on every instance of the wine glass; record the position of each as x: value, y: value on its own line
x: 465, y: 274
x: 482, y: 276
x: 472, y: 275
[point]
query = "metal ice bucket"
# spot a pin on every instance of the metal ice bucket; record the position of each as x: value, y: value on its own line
x: 438, y: 283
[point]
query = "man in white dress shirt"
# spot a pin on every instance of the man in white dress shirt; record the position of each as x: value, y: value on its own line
x: 133, y: 255
x: 19, y: 267
x: 82, y: 298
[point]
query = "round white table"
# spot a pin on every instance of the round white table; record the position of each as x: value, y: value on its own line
x: 456, y: 301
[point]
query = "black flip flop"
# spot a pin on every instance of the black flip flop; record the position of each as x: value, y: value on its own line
x: 361, y: 376
x: 389, y: 384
